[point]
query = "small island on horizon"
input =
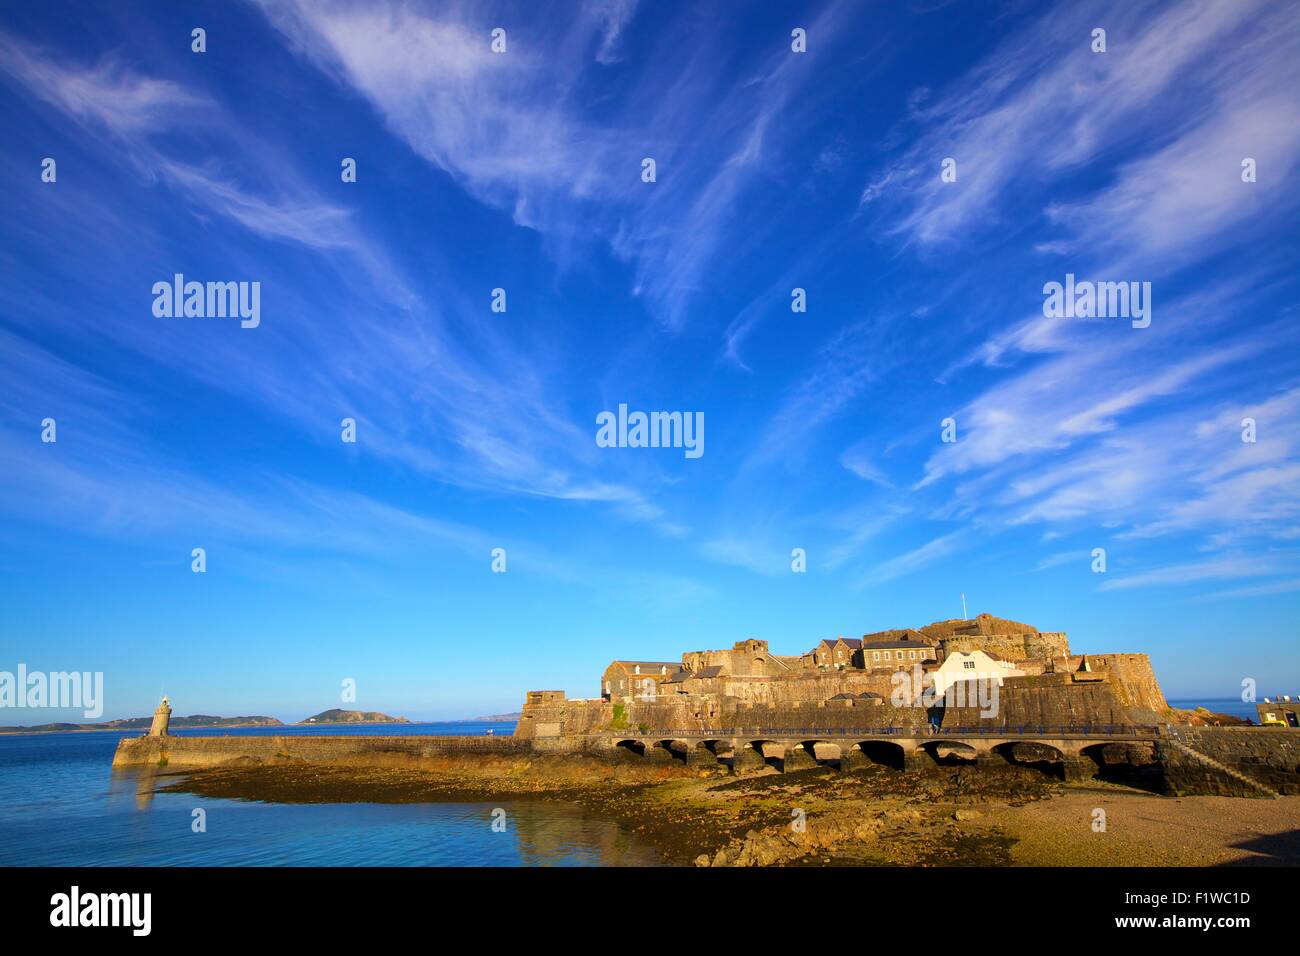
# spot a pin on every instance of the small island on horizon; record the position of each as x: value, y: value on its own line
x: 339, y: 716
x: 208, y: 721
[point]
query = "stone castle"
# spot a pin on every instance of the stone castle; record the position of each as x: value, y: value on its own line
x: 901, y: 698
x: 885, y: 679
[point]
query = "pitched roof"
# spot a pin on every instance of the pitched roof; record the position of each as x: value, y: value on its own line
x: 850, y: 641
x: 681, y: 674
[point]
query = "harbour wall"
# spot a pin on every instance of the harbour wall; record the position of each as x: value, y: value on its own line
x: 1267, y: 756
x: 198, y: 752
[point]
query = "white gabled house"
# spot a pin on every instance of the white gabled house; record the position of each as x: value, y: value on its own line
x: 971, y: 665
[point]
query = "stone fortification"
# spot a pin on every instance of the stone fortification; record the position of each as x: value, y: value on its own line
x: 1041, y: 683
x: 996, y: 635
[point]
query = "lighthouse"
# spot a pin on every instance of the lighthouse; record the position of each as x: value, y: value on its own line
x: 161, y: 718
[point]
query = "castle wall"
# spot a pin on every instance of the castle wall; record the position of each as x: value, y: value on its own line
x: 1015, y: 647
x: 547, y: 724
x: 830, y: 716
x: 1134, y: 683
x: 1046, y: 700
x: 744, y: 659
x: 809, y: 687
x: 557, y: 717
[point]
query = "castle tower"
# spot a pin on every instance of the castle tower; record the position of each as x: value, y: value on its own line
x: 161, y: 718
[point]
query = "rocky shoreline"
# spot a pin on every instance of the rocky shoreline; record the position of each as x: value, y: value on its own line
x: 947, y: 816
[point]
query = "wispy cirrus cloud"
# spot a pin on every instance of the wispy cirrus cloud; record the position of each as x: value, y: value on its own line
x: 1286, y: 586
x: 108, y: 95
x: 917, y: 559
x: 479, y: 417
x: 1029, y: 112
x: 514, y: 130
x: 1220, y: 568
x: 1076, y: 425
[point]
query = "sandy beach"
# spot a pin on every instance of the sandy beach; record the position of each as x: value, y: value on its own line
x: 877, y: 816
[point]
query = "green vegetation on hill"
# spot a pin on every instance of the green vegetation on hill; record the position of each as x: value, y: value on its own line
x: 337, y: 716
x: 143, y: 723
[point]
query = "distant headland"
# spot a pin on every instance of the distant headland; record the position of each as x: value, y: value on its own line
x: 194, y: 721
x: 209, y: 722
x: 337, y: 716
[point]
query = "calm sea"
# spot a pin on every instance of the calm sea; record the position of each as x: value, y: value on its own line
x: 61, y: 804
x: 1232, y: 706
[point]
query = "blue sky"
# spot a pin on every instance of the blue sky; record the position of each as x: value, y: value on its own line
x: 476, y: 429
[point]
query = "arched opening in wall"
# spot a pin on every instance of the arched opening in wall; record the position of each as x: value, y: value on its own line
x: 951, y: 753
x: 702, y: 755
x: 772, y: 752
x: 1132, y: 763
x: 883, y: 752
x: 722, y: 750
x: 1041, y: 757
x: 677, y: 749
x: 629, y: 748
x: 823, y: 753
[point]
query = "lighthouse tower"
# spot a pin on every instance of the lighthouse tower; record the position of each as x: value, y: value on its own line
x: 161, y: 718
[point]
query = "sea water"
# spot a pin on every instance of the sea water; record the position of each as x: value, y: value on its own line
x: 62, y: 804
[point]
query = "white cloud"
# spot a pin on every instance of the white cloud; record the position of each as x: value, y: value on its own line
x: 108, y: 95
x: 515, y: 132
x: 1225, y: 567
x: 476, y: 413
x: 916, y: 559
x: 1043, y: 103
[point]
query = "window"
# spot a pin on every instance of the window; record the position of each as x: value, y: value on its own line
x: 875, y: 655
x: 969, y: 665
x: 911, y: 655
x: 900, y: 655
x: 637, y: 669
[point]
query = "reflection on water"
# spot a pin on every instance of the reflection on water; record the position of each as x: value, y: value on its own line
x: 546, y: 837
x: 61, y: 804
x: 140, y: 783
